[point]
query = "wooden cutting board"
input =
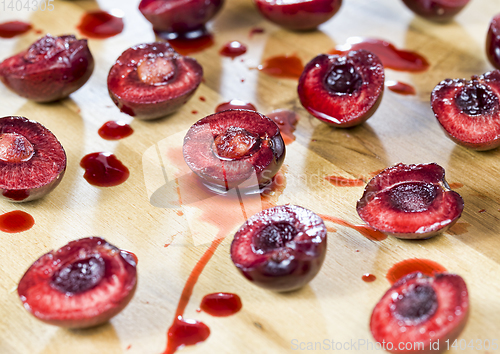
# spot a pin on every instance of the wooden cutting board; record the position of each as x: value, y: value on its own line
x: 337, y: 304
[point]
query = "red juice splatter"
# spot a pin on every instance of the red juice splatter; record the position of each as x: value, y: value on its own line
x: 283, y: 66
x: 100, y: 24
x: 233, y: 49
x: 400, y: 87
x: 365, y: 230
x: 103, y: 169
x: 16, y: 221
x: 368, y: 278
x: 221, y: 304
x: 12, y: 29
x: 286, y: 120
x: 408, y: 266
x: 115, y: 130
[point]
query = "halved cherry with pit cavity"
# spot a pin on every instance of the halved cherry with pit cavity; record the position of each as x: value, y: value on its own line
x: 230, y: 147
x: 281, y: 248
x: 410, y: 201
x: 50, y: 69
x: 32, y: 160
x: 149, y: 81
x: 425, y: 311
x: 82, y: 284
x: 342, y: 90
x: 469, y: 110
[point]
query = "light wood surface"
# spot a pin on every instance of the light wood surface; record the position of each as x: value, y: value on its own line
x: 337, y: 304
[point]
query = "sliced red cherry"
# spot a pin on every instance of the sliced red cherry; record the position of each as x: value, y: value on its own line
x: 32, y: 160
x: 342, y: 90
x: 298, y: 14
x: 82, y: 284
x: 281, y: 248
x: 410, y: 201
x: 179, y: 16
x: 149, y: 81
x: 436, y: 10
x: 229, y: 147
x: 425, y: 311
x: 493, y: 42
x: 469, y: 111
x: 50, y: 69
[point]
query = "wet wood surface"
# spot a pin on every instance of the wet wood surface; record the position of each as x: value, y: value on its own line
x: 337, y: 304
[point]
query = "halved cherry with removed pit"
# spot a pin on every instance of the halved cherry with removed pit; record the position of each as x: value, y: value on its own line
x: 32, y: 160
x: 281, y: 248
x: 176, y: 17
x: 493, y: 42
x: 149, y: 81
x: 298, y: 14
x: 50, y: 69
x: 469, y: 110
x: 80, y: 285
x: 436, y: 10
x: 234, y: 146
x: 410, y: 202
x: 342, y: 90
x: 418, y: 309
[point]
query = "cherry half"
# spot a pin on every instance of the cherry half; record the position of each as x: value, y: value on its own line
x: 149, y: 81
x: 82, y: 284
x: 177, y: 17
x: 298, y: 14
x: 436, y: 10
x: 469, y: 110
x: 50, y: 69
x: 425, y: 311
x: 280, y: 248
x: 342, y: 90
x: 410, y: 202
x: 493, y: 42
x: 225, y: 149
x: 32, y: 160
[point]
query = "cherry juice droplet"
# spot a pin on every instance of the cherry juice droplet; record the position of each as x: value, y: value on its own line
x: 115, y: 130
x: 185, y: 332
x: 408, y: 266
x: 368, y: 278
x: 283, y: 66
x: 11, y: 29
x: 221, y: 304
x: 235, y: 104
x: 103, y: 169
x: 391, y: 57
x: 16, y: 221
x: 400, y: 87
x: 365, y: 230
x: 233, y: 49
x: 189, y: 42
x: 100, y: 24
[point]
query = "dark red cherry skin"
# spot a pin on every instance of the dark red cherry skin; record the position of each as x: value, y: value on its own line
x: 227, y: 148
x: 32, y: 160
x: 280, y: 248
x: 298, y: 15
x: 50, y: 69
x: 410, y: 202
x: 493, y: 42
x: 421, y: 309
x: 436, y: 10
x: 82, y: 284
x: 149, y: 81
x: 343, y: 91
x: 469, y: 110
x: 179, y: 16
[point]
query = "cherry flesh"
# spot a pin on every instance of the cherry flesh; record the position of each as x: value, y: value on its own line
x: 342, y: 90
x: 89, y: 279
x: 50, y: 69
x: 229, y: 147
x: 149, y: 81
x: 281, y: 248
x: 421, y: 309
x: 32, y: 160
x: 410, y: 202
x: 469, y: 110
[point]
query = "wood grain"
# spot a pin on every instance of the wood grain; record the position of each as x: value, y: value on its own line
x: 337, y: 304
